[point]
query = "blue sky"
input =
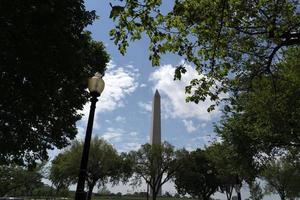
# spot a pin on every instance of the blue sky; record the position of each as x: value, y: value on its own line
x: 123, y: 113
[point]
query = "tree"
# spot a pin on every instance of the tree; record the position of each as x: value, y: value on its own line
x: 43, y: 191
x: 104, y: 191
x: 231, y: 168
x: 283, y: 177
x: 104, y: 165
x: 60, y: 175
x: 198, y: 177
x: 256, y: 192
x: 19, y: 180
x: 235, y: 198
x: 228, y: 42
x: 265, y: 121
x: 45, y: 60
x: 155, y: 164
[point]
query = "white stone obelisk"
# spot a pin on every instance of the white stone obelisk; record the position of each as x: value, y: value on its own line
x: 155, y: 134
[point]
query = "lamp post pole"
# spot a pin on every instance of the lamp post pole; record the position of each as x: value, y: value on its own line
x: 96, y: 86
x: 80, y: 193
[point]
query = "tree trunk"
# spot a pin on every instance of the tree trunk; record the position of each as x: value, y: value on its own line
x: 239, y: 196
x: 154, y: 193
x: 147, y: 191
x: 90, y: 191
x: 205, y: 197
x: 282, y: 196
x: 229, y: 192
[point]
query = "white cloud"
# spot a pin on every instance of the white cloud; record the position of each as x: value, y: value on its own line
x: 120, y: 119
x: 130, y: 146
x: 145, y: 106
x: 130, y: 142
x: 206, y: 139
x: 143, y: 85
x: 113, y: 134
x: 133, y: 68
x: 81, y: 133
x: 119, y: 83
x: 173, y: 94
x: 189, y: 125
x: 129, y: 66
x: 190, y: 147
x: 133, y: 133
x: 203, y: 125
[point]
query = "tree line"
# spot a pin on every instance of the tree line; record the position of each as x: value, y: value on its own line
x: 247, y: 56
x: 248, y: 50
x: 199, y: 173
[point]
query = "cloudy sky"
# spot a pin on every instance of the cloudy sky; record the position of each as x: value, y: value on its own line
x: 123, y: 113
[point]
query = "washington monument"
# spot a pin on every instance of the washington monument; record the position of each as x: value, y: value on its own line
x: 155, y: 133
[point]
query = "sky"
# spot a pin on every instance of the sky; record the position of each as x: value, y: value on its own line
x: 123, y: 112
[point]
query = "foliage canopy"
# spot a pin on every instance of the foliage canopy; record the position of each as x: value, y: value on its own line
x: 283, y: 177
x: 198, y: 176
x: 104, y: 165
x: 155, y: 164
x: 16, y: 179
x: 45, y: 60
x: 227, y: 41
x: 265, y: 120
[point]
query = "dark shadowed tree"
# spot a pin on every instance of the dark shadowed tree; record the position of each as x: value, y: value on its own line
x: 229, y: 166
x: 59, y: 174
x: 104, y: 165
x: 265, y: 120
x: 155, y: 164
x: 283, y: 177
x: 221, y: 156
x: 198, y: 177
x: 222, y: 39
x: 45, y: 61
x: 19, y: 180
x: 256, y: 192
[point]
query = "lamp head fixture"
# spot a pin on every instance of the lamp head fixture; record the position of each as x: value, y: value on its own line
x: 96, y: 84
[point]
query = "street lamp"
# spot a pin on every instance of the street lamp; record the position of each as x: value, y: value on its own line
x: 96, y: 86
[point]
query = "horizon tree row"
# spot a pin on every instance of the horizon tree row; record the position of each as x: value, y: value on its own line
x: 199, y: 173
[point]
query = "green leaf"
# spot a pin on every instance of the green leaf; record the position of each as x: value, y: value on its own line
x: 178, y: 71
x: 115, y: 11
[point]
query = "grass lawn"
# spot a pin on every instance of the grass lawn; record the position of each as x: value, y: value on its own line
x: 134, y: 198
x: 96, y: 197
x: 114, y: 198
